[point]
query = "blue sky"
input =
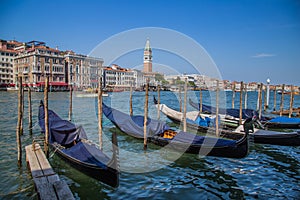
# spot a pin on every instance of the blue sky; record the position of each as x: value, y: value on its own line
x: 248, y: 40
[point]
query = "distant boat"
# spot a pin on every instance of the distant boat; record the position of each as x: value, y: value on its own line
x: 85, y: 94
x: 288, y: 92
x: 295, y: 111
x: 12, y: 89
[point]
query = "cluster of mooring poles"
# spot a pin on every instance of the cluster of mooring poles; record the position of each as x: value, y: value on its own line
x: 243, y: 89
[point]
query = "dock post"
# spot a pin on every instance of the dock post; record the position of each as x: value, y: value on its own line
x: 184, y: 105
x: 291, y: 101
x: 274, y: 106
x: 29, y: 111
x: 268, y: 94
x: 233, y: 95
x: 71, y: 102
x: 246, y: 96
x: 146, y: 114
x: 130, y: 101
x: 180, y: 100
x: 282, y: 100
x: 260, y: 100
x: 201, y: 101
x: 46, y: 141
x: 241, y: 103
x: 18, y: 131
x: 158, y: 102
x: 22, y: 113
x: 265, y: 98
x: 217, y: 109
x: 100, y: 112
x: 258, y: 94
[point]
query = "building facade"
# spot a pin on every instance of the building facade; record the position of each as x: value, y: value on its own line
x: 7, y: 56
x: 117, y: 77
x: 82, y: 71
x: 35, y: 61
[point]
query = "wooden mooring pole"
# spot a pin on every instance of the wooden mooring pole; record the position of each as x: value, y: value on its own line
x: 233, y: 95
x: 46, y: 141
x: 184, y: 105
x: 29, y: 111
x: 282, y: 100
x: 146, y: 114
x: 217, y: 109
x: 180, y: 101
x: 274, y: 106
x: 130, y: 101
x: 100, y: 112
x: 246, y: 96
x: 22, y: 102
x: 265, y: 98
x: 158, y: 102
x: 260, y: 100
x: 241, y: 103
x: 18, y: 131
x: 291, y: 101
x: 201, y: 101
x: 71, y: 102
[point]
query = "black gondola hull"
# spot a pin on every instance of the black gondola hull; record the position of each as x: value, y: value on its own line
x: 109, y: 175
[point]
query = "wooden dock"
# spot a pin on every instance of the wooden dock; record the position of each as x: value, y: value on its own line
x: 46, y: 181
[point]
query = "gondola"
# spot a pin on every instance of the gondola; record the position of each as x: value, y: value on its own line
x: 161, y: 134
x: 199, y: 123
x: 233, y: 114
x: 70, y: 142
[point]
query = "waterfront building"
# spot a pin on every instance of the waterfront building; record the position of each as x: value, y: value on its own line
x: 81, y: 71
x: 7, y: 56
x: 35, y: 61
x: 115, y: 76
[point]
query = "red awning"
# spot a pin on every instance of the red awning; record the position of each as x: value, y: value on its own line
x: 53, y: 83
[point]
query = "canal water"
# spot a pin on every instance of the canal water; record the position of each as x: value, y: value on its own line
x: 268, y: 172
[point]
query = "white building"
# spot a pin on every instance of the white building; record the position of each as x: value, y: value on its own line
x: 115, y: 76
x: 7, y: 56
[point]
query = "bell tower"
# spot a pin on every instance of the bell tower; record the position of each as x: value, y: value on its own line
x: 147, y: 57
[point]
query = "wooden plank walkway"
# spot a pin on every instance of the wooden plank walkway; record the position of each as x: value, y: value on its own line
x: 46, y: 181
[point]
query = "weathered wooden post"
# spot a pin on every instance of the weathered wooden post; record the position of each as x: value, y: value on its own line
x: 201, y: 101
x: 29, y: 111
x: 265, y: 99
x: 18, y: 131
x: 268, y: 94
x: 22, y: 113
x: 246, y: 96
x: 46, y: 141
x: 158, y: 102
x: 291, y: 101
x: 274, y: 106
x: 217, y: 109
x: 146, y: 114
x: 184, y: 105
x: 130, y: 101
x: 241, y: 103
x: 100, y: 111
x: 258, y: 96
x: 282, y: 100
x: 260, y: 100
x: 71, y: 102
x: 180, y: 101
x: 233, y: 95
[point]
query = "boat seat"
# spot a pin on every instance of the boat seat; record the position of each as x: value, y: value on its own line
x: 169, y: 134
